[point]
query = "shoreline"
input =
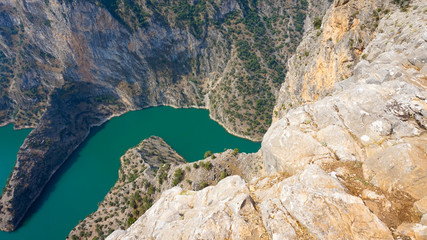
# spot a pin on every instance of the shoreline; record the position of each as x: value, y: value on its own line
x: 101, y: 122
x: 10, y: 121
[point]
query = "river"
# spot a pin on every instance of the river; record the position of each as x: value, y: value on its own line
x: 92, y: 170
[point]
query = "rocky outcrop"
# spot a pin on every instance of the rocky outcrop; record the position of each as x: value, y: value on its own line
x: 320, y: 203
x: 220, y: 212
x: 329, y: 51
x: 311, y: 204
x: 376, y: 116
x: 148, y: 170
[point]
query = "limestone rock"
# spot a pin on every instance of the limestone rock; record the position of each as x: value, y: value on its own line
x: 320, y: 203
x: 421, y: 205
x: 340, y: 142
x: 225, y: 211
x: 376, y: 116
x: 367, y: 194
x: 402, y: 166
x: 424, y: 220
x: 413, y: 230
x: 329, y: 54
x: 278, y: 223
x: 308, y: 205
x: 291, y: 149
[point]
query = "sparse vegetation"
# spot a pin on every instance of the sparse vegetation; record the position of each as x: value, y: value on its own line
x: 223, y: 175
x: 317, y: 23
x: 207, y: 154
x: 178, y: 176
x: 203, y: 184
x: 192, y: 14
x: 235, y: 151
x: 247, y: 55
x: 403, y: 4
x: 162, y: 174
x: 206, y: 165
x: 127, y: 12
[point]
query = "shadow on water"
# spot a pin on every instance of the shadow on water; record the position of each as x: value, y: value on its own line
x: 51, y: 185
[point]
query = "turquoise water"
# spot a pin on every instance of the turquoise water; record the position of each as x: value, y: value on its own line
x: 10, y: 141
x: 86, y: 177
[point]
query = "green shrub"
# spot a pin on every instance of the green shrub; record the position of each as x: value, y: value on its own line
x: 235, y: 151
x: 202, y: 185
x: 207, y: 154
x: 130, y: 220
x: 162, y: 173
x: 403, y: 4
x: 178, y: 176
x: 151, y: 190
x: 206, y: 165
x: 317, y: 22
x: 223, y: 175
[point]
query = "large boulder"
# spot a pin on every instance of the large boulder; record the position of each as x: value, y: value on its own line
x: 317, y: 204
x: 225, y: 211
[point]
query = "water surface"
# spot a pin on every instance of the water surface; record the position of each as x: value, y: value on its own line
x: 92, y: 170
x: 10, y: 141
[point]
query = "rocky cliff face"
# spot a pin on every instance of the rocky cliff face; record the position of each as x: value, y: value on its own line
x: 351, y: 165
x: 371, y: 117
x: 179, y: 53
x: 329, y: 52
x: 67, y: 65
x: 376, y: 118
x: 309, y: 205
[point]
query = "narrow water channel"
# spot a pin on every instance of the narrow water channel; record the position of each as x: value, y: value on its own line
x: 86, y: 177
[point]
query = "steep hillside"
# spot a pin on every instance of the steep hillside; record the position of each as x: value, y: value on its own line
x: 72, y: 64
x: 227, y: 56
x: 349, y: 165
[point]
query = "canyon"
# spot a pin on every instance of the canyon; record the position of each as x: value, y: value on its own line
x: 344, y: 151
